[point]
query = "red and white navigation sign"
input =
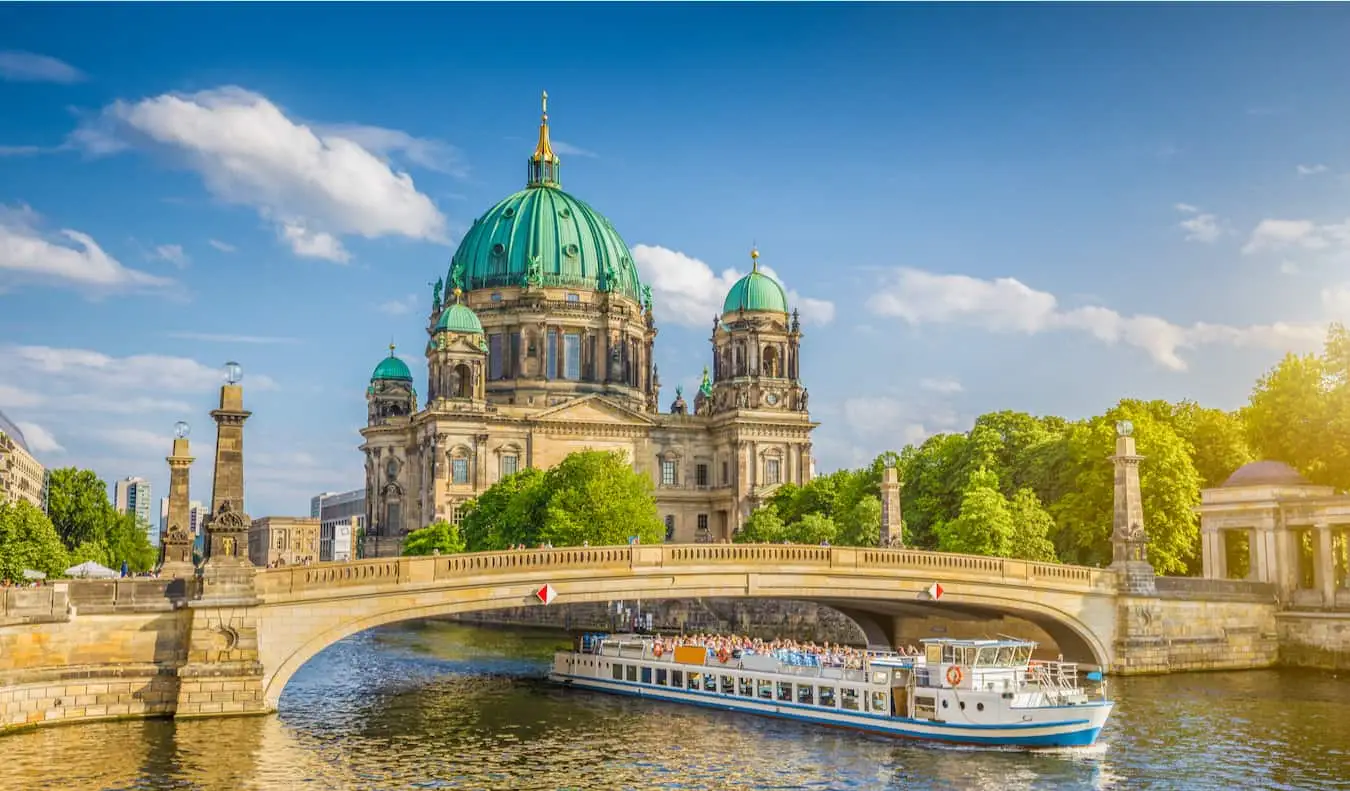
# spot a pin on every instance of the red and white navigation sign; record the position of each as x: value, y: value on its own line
x: 934, y: 591
x: 546, y: 594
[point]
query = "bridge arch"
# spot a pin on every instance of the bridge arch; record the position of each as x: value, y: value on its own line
x: 306, y: 609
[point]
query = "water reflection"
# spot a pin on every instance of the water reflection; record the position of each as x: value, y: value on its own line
x: 445, y: 706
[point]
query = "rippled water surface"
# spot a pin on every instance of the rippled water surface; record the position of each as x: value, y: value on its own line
x: 440, y: 706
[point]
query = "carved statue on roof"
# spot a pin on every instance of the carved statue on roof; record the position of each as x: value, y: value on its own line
x: 457, y: 276
x: 436, y: 294
x: 534, y: 273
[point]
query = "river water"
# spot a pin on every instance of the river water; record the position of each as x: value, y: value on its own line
x: 444, y: 706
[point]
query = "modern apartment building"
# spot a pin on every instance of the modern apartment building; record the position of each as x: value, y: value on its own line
x: 341, y: 518
x: 22, y: 477
x: 132, y: 496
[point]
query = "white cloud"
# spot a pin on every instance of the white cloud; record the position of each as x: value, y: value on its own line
x: 1336, y: 302
x: 942, y: 386
x: 40, y: 440
x: 70, y: 257
x: 135, y: 439
x: 313, y: 244
x: 569, y: 150
x: 888, y: 422
x: 211, y: 337
x: 399, y: 307
x: 1200, y: 226
x: 1008, y: 305
x: 12, y: 397
x: 221, y: 246
x: 431, y: 154
x: 1288, y: 268
x: 1273, y: 234
x: 173, y: 253
x: 688, y: 292
x: 1311, y: 170
x: 314, y: 185
x: 18, y: 66
x: 88, y: 371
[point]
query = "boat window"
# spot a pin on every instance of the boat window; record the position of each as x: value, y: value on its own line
x: 1006, y: 654
x: 1023, y: 654
x: 695, y: 682
x: 746, y: 688
x: 661, y: 676
x: 646, y: 675
x: 709, y: 682
x: 785, y: 691
x: 879, y: 676
x: 986, y: 656
x: 879, y: 703
x: 766, y: 689
x: 921, y: 677
x: 848, y: 699
x: 826, y: 697
x: 618, y: 672
x: 925, y: 708
x: 728, y: 685
x: 632, y: 672
x: 677, y: 678
x: 935, y: 652
x: 805, y: 694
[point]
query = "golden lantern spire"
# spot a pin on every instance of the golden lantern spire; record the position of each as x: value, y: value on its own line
x: 754, y: 259
x: 543, y: 164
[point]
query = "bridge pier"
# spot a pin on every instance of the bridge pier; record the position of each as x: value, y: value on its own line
x: 223, y: 674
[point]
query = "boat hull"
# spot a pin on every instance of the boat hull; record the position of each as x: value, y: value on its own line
x: 1078, y: 727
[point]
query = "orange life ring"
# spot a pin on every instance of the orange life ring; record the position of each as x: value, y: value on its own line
x: 723, y: 655
x: 658, y: 650
x: 954, y: 675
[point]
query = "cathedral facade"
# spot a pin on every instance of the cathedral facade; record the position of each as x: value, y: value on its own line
x: 540, y: 344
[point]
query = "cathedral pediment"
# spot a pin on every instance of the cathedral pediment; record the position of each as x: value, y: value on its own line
x: 592, y: 409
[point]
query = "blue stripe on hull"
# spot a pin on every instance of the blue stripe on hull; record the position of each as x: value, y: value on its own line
x: 1080, y: 737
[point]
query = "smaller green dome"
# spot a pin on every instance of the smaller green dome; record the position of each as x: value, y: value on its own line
x: 393, y: 368
x: 459, y: 318
x: 756, y: 291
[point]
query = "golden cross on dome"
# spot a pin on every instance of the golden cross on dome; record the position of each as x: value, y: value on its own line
x: 391, y: 348
x: 457, y: 293
x: 545, y: 104
x: 754, y: 259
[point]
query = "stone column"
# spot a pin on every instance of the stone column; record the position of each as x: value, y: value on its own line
x: 1129, y: 538
x: 176, y: 545
x: 891, y: 534
x: 1325, y: 565
x: 227, y: 526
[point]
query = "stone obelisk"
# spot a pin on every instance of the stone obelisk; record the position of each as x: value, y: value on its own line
x: 176, y: 544
x: 1129, y: 538
x: 891, y: 523
x: 227, y: 525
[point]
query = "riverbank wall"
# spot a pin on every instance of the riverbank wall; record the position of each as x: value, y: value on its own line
x: 1314, y: 639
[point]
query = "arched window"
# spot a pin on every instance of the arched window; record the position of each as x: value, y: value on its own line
x: 772, y: 365
x: 462, y: 382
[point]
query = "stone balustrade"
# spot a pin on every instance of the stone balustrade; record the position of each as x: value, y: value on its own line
x: 406, y: 570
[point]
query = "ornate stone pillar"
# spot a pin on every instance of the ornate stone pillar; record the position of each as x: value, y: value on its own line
x: 227, y: 525
x: 1129, y: 538
x: 891, y: 534
x: 176, y: 545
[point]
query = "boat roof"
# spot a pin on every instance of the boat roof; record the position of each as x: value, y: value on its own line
x: 1003, y: 643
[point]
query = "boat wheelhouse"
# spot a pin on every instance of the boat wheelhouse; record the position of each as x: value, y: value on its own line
x: 984, y: 692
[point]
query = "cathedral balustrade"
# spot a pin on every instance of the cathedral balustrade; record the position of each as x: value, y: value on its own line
x: 438, y: 568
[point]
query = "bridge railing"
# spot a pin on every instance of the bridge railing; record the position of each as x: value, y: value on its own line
x: 405, y: 570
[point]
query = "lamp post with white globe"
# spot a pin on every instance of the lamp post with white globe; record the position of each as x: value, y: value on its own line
x: 176, y: 541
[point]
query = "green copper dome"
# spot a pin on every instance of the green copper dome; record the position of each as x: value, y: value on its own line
x: 459, y: 318
x: 392, y: 367
x: 543, y: 236
x: 756, y: 291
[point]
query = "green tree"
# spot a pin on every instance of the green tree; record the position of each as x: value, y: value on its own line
x: 930, y: 495
x: 984, y: 526
x: 29, y: 541
x: 438, y: 537
x: 1032, y: 527
x: 597, y: 496
x: 127, y: 540
x: 506, y: 514
x: 860, y: 526
x: 812, y: 529
x: 1218, y: 441
x: 78, y: 505
x: 762, y: 527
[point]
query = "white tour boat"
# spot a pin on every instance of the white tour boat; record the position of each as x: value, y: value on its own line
x: 984, y: 692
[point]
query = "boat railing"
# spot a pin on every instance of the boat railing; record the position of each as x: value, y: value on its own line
x: 1055, y: 679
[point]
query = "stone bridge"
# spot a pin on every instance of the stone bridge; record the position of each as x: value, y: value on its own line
x: 89, y: 650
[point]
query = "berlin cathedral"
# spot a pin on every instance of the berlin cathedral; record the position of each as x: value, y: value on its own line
x: 540, y: 343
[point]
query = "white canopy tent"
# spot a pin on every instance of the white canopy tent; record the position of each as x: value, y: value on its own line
x: 91, y: 569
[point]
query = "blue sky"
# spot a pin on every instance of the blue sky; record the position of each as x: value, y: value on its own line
x: 1043, y: 208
